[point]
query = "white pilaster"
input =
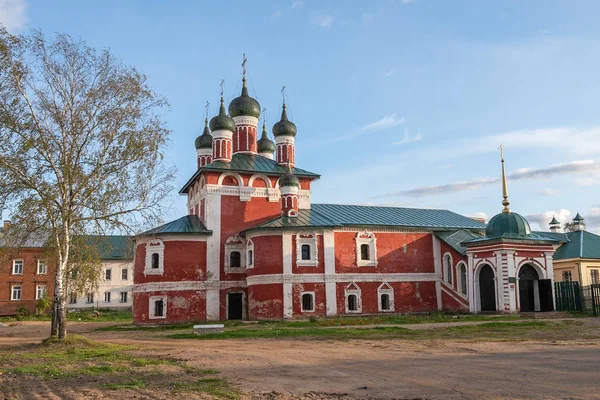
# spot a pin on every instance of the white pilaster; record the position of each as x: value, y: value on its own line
x: 437, y: 266
x: 213, y: 256
x: 287, y: 271
x: 471, y: 286
x: 330, y: 287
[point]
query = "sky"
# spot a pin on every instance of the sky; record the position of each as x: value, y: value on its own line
x: 400, y: 103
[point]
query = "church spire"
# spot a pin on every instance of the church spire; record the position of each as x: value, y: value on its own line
x: 505, y: 202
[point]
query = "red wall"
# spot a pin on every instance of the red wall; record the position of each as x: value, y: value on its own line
x: 318, y: 288
x: 182, y: 306
x: 265, y: 301
x: 184, y: 261
x: 268, y: 256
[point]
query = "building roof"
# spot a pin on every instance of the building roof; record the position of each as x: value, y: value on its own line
x: 455, y: 239
x: 113, y: 247
x: 581, y: 244
x: 533, y: 238
x: 507, y: 223
x: 187, y: 225
x: 560, y: 236
x: 332, y: 215
x: 248, y: 163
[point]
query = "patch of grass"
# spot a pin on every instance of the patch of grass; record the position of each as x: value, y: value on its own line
x: 216, y: 387
x: 100, y: 315
x: 129, y: 384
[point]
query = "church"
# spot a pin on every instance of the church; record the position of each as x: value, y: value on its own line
x: 254, y: 246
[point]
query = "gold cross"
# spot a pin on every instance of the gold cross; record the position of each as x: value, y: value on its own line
x: 244, y: 64
x: 283, y: 93
x: 206, y: 107
x: 222, y: 86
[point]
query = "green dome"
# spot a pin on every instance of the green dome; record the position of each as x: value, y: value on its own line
x: 507, y: 223
x: 204, y: 141
x: 265, y: 145
x: 284, y: 127
x: 289, y: 179
x: 244, y: 105
x: 222, y: 121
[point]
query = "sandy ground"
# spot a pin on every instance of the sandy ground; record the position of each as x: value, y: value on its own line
x: 390, y: 368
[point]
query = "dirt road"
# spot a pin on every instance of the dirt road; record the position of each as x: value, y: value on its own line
x: 441, y: 369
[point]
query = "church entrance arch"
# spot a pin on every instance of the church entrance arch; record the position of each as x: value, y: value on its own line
x: 529, y: 289
x: 487, y: 289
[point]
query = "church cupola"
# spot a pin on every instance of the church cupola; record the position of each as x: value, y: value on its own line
x: 554, y: 225
x: 285, y: 135
x: 578, y: 224
x: 289, y: 185
x: 204, y: 146
x: 222, y: 127
x: 266, y: 147
x: 245, y: 111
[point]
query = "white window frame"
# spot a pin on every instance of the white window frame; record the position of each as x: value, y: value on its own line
x: 72, y: 296
x: 353, y: 289
x: 311, y: 240
x: 14, y: 268
x: 366, y: 237
x: 155, y: 246
x: 107, y: 295
x: 37, y: 291
x: 459, y: 279
x: 250, y: 248
x: 87, y: 299
x: 448, y: 278
x: 302, y: 302
x: 151, y: 310
x: 597, y: 273
x: 12, y: 292
x: 40, y: 264
x: 105, y: 271
x: 121, y: 297
x: 126, y: 270
x: 235, y: 243
x: 385, y: 288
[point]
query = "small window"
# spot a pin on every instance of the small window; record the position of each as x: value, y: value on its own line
x: 352, y: 302
x: 18, y: 267
x: 235, y: 259
x: 250, y: 257
x: 595, y: 276
x: 123, y: 297
x: 305, y: 252
x: 364, y: 252
x: 42, y: 268
x: 448, y: 268
x: 154, y: 260
x: 124, y: 274
x: 90, y: 298
x: 566, y: 276
x: 40, y: 292
x: 107, y: 297
x: 72, y: 298
x: 308, y: 303
x: 159, y: 308
x: 463, y: 278
x: 16, y: 293
x: 385, y: 302
x: 108, y: 274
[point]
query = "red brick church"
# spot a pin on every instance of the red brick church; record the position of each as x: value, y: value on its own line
x: 254, y: 246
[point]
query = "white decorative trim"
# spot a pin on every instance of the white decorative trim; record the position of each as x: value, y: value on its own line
x: 204, y: 152
x: 222, y: 134
x: 183, y: 286
x: 340, y: 278
x: 272, y: 193
x: 260, y: 176
x: 368, y: 238
x: 152, y: 304
x: 329, y: 261
x: 385, y: 288
x: 267, y: 155
x: 250, y: 258
x: 302, y: 302
x: 311, y: 240
x: 235, y: 243
x: 155, y: 246
x: 285, y: 140
x: 237, y: 177
x: 449, y: 279
x: 459, y: 279
x: 245, y: 120
x: 353, y: 290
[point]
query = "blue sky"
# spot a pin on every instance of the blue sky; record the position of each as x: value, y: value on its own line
x: 396, y: 102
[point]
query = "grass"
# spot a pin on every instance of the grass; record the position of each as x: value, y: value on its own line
x: 108, y: 366
x: 100, y: 315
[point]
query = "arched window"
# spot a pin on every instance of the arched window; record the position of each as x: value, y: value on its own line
x: 385, y: 302
x: 462, y: 273
x: 305, y: 252
x: 250, y: 257
x: 352, y: 302
x: 235, y: 259
x: 155, y: 259
x: 364, y: 252
x: 308, y: 303
x: 448, y: 268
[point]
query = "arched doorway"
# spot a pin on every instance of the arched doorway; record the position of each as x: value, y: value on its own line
x: 529, y: 291
x: 487, y: 289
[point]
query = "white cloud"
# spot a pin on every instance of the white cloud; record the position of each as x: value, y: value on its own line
x: 12, y: 14
x: 540, y: 221
x: 480, y: 215
x: 407, y: 138
x: 391, y: 72
x: 298, y: 4
x: 276, y: 14
x: 323, y: 21
x: 548, y: 192
x: 386, y: 122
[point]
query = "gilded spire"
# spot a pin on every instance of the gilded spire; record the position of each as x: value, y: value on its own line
x: 505, y: 202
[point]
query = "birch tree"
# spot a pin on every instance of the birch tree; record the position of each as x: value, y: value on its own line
x: 82, y: 146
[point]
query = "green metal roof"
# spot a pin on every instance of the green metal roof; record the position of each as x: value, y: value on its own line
x: 582, y: 244
x: 112, y: 247
x: 455, y: 239
x: 332, y: 215
x: 533, y: 237
x: 188, y: 225
x: 248, y: 163
x: 561, y: 237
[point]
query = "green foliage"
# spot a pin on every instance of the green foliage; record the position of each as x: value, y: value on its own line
x: 43, y: 303
x: 100, y: 315
x: 22, y: 312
